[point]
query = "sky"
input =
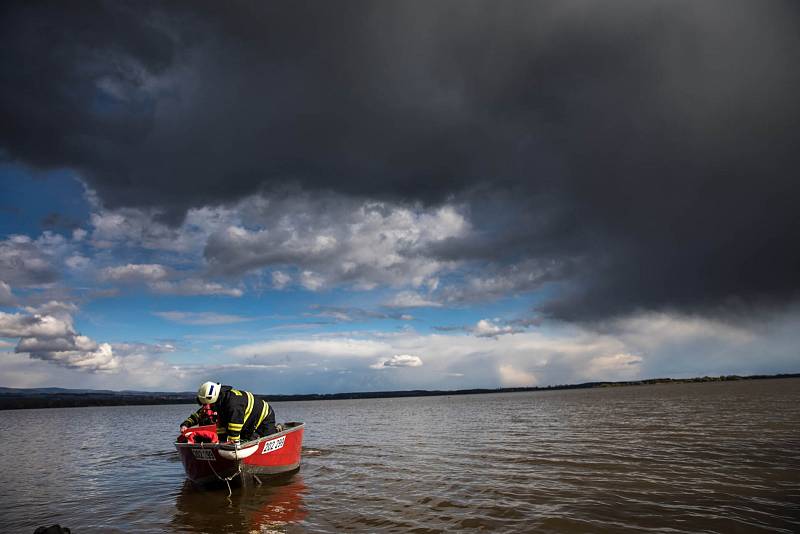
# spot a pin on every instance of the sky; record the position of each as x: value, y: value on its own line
x: 315, y: 197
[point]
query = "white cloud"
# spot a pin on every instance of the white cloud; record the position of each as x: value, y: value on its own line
x: 688, y: 345
x: 56, y: 308
x: 156, y: 276
x: 353, y: 314
x: 135, y: 272
x: 398, y: 360
x: 79, y: 234
x: 511, y: 377
x: 329, y: 239
x: 194, y: 286
x: 133, y: 371
x: 339, y: 239
x: 52, y: 338
x: 140, y: 365
x: 128, y: 349
x: 337, y: 348
x: 410, y: 299
x: 6, y: 296
x: 41, y: 326
x: 200, y: 318
x: 77, y: 262
x: 501, y: 282
x: 84, y: 354
x: 133, y: 227
x: 311, y: 280
x: 280, y: 279
x: 551, y: 354
x: 337, y: 314
x: 620, y: 365
x: 489, y: 328
x: 652, y: 330
x: 19, y: 370
x: 27, y: 262
x: 432, y: 284
x: 57, y: 344
x: 558, y: 359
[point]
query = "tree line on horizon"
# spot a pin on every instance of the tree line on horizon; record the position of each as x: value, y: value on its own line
x: 13, y: 399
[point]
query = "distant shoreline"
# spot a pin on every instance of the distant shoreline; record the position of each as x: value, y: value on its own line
x: 18, y: 399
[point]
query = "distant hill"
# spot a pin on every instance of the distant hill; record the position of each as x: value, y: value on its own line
x: 20, y: 398
x: 44, y: 391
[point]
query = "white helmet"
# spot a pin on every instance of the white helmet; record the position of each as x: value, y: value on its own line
x: 208, y: 392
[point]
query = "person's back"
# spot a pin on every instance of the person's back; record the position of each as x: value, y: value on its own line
x: 240, y: 414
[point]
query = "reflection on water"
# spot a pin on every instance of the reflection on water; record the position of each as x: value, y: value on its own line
x: 269, y: 507
x: 716, y: 457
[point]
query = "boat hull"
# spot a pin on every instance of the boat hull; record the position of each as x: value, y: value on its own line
x: 271, y: 455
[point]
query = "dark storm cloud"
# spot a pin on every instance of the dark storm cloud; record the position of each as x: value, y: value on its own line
x: 648, y: 151
x: 24, y: 262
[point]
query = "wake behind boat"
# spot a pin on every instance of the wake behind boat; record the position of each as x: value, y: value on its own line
x: 270, y: 455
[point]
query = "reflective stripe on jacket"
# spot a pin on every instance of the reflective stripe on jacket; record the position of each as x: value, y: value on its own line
x: 240, y: 413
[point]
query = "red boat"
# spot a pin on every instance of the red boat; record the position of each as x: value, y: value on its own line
x: 268, y: 456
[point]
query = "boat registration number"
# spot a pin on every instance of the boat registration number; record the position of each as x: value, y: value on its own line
x: 273, y: 445
x: 204, y: 454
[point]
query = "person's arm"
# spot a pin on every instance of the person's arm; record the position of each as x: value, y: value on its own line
x: 191, y: 420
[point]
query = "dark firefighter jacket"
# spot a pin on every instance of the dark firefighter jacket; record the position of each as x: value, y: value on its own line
x: 240, y: 413
x: 203, y: 416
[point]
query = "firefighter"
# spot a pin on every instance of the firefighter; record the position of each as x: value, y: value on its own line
x: 241, y: 416
x: 204, y: 415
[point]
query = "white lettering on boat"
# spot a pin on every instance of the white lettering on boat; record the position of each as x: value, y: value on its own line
x: 204, y: 454
x: 273, y: 445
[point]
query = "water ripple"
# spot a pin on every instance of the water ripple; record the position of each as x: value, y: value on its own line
x: 669, y: 459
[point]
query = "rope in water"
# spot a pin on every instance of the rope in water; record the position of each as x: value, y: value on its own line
x: 226, y: 479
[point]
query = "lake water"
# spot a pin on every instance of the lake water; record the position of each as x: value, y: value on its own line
x: 712, y: 457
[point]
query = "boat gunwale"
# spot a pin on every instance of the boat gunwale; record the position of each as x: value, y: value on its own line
x: 243, y: 445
